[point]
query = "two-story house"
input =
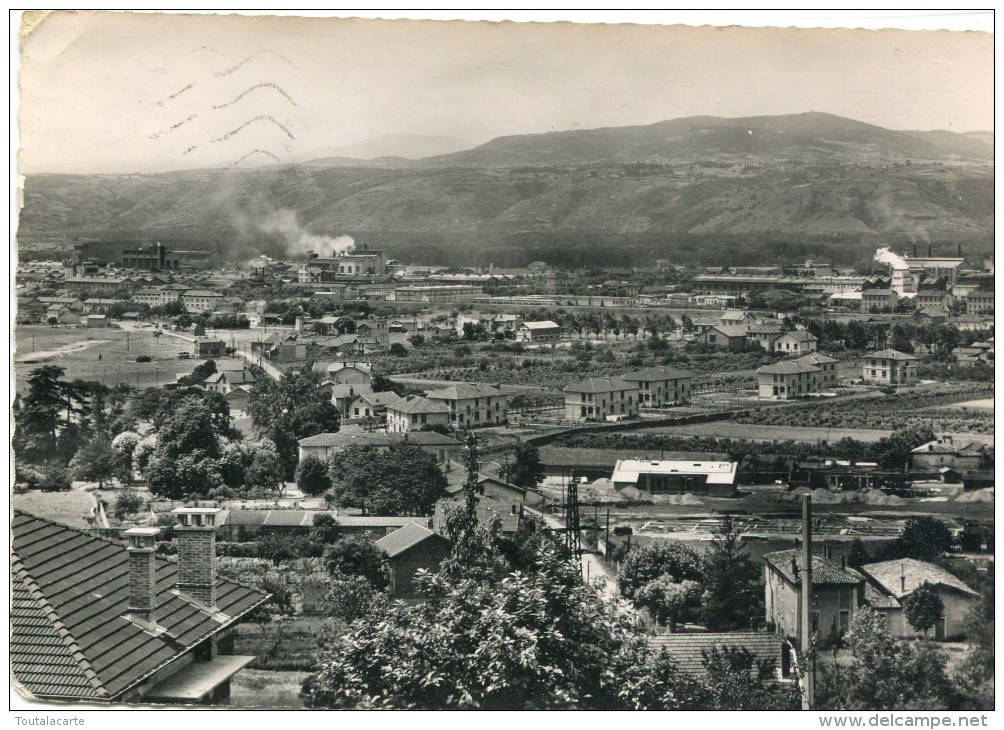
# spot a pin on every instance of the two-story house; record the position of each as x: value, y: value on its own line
x: 796, y: 342
x: 889, y: 367
x: 827, y: 377
x: 545, y: 331
x: 659, y: 387
x: 600, y: 399
x: 358, y: 373
x: 473, y: 405
x: 413, y: 413
x: 787, y: 379
x: 837, y: 592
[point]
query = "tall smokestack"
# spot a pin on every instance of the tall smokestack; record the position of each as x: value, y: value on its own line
x: 915, y: 249
x: 960, y: 250
x: 928, y: 249
x: 197, y: 553
x: 143, y: 572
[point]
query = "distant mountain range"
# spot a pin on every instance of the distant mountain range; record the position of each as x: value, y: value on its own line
x: 396, y: 146
x: 701, y: 189
x: 809, y: 136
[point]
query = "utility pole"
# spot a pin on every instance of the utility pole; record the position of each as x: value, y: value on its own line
x: 808, y: 664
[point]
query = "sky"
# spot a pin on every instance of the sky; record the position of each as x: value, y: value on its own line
x: 133, y: 92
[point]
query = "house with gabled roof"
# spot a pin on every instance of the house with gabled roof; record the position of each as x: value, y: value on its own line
x: 325, y: 445
x: 788, y: 379
x: 765, y: 333
x: 413, y: 413
x: 659, y: 387
x: 827, y: 377
x: 408, y: 550
x: 94, y: 621
x: 359, y: 373
x: 689, y: 651
x: 473, y: 405
x: 947, y: 451
x: 837, y: 593
x: 891, y: 583
x: 369, y: 407
x: 600, y: 399
x: 889, y: 367
x: 544, y: 331
x: 729, y: 337
x: 796, y: 342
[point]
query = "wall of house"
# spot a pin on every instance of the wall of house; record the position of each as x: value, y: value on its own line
x: 833, y: 605
x: 426, y: 555
x: 957, y: 605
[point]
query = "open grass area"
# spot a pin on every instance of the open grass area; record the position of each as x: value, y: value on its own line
x: 77, y: 351
x: 67, y: 508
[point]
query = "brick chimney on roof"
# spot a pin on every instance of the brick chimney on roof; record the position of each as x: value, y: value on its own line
x: 143, y: 572
x: 196, y: 531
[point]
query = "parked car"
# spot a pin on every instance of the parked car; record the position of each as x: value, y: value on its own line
x: 184, y: 355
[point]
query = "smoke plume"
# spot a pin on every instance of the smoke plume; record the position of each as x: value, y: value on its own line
x: 886, y: 256
x: 298, y: 241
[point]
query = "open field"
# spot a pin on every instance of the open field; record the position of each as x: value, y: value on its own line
x: 985, y: 404
x: 67, y: 508
x: 77, y: 351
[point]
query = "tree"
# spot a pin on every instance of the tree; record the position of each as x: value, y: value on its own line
x: 526, y: 470
x: 36, y: 415
x: 124, y: 445
x: 290, y: 409
x: 525, y: 641
x: 199, y: 374
x: 893, y: 451
x: 923, y: 538
x: 265, y: 471
x: 404, y: 479
x: 976, y: 673
x: 416, y: 340
x: 924, y: 608
x: 127, y: 502
x: 185, y: 460
x: 646, y: 571
x: 687, y: 324
x: 736, y: 680
x: 94, y: 461
x: 884, y: 673
x: 474, y: 331
x: 398, y: 350
x: 353, y: 597
x: 732, y: 598
x: 357, y: 556
x: 312, y: 476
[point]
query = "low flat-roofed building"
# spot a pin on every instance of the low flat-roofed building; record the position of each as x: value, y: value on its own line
x: 714, y: 478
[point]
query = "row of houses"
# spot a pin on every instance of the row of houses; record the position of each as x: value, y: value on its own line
x: 817, y: 373
x: 616, y: 398
x: 839, y: 591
